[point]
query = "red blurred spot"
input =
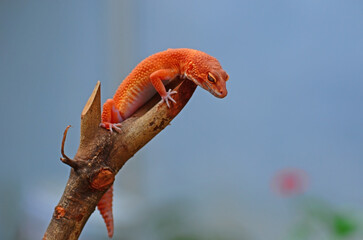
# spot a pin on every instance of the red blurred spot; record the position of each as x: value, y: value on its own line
x: 288, y: 182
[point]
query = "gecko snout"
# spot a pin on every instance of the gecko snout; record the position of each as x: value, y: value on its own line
x: 222, y: 93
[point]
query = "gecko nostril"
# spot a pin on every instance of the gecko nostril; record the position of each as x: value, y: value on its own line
x: 222, y: 93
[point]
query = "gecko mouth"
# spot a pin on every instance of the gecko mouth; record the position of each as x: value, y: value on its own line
x: 209, y: 89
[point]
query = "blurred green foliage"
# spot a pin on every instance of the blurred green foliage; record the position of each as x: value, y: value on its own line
x: 344, y: 225
x: 319, y: 220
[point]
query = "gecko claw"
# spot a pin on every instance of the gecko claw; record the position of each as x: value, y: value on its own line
x: 168, y: 97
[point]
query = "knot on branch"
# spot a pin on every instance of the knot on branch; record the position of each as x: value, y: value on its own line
x: 102, y: 179
x: 59, y: 212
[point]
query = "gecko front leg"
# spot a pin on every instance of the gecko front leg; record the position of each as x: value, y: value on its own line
x: 156, y: 79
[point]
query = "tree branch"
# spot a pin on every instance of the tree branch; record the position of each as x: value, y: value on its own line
x: 101, y: 155
x: 65, y: 159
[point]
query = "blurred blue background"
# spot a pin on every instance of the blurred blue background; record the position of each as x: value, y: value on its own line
x: 295, y: 101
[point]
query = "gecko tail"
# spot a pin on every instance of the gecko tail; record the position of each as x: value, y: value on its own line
x: 105, y: 208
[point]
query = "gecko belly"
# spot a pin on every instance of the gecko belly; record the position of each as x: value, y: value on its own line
x: 136, y: 97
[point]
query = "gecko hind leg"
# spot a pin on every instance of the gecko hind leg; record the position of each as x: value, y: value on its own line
x: 111, y: 116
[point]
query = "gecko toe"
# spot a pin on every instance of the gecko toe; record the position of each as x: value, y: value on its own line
x: 111, y: 126
x: 167, y: 102
x: 168, y: 97
x: 117, y: 129
x: 171, y: 99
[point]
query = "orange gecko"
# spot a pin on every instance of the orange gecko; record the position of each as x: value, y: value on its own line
x: 149, y: 77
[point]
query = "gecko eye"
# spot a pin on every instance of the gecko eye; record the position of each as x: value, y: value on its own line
x: 227, y: 77
x: 211, y: 78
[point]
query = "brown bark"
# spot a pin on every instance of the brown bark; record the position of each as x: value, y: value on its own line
x: 101, y: 155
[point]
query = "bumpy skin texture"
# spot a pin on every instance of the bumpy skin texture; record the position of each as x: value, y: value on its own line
x: 149, y: 77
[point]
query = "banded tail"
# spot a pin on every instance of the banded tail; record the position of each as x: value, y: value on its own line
x: 105, y: 208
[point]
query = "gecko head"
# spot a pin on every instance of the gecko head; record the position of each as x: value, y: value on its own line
x: 205, y: 71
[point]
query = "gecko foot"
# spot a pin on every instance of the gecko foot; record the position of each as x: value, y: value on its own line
x: 168, y: 97
x: 111, y: 126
